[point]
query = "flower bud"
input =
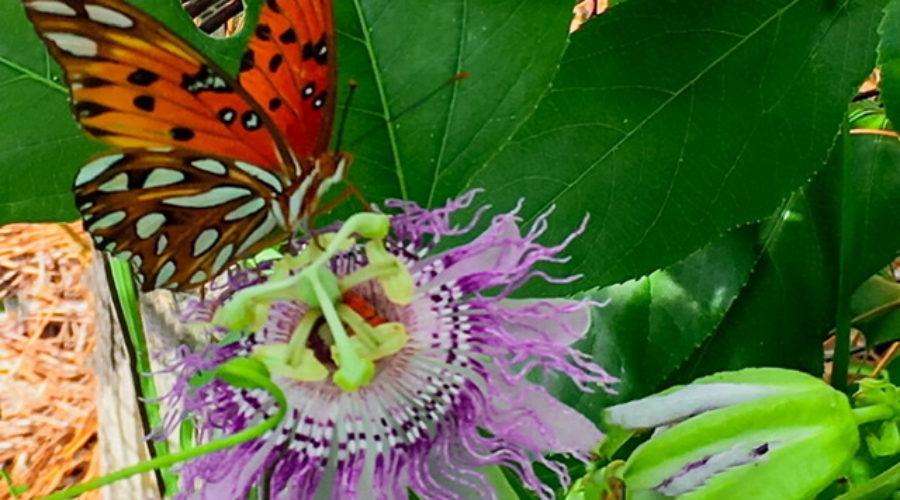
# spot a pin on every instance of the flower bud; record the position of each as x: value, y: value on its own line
x: 750, y: 434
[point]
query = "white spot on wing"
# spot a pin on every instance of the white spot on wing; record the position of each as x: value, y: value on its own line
x: 149, y: 224
x: 96, y: 168
x: 247, y: 209
x: 198, y: 277
x: 332, y: 180
x: 48, y: 7
x: 261, y: 174
x: 212, y: 198
x: 75, y: 45
x: 209, y: 165
x: 165, y: 274
x: 163, y: 177
x: 261, y: 230
x: 116, y: 184
x: 107, y: 16
x: 205, y: 241
x: 222, y: 258
x: 108, y: 220
x: 278, y: 212
x: 297, y: 198
x: 161, y: 243
x: 124, y: 255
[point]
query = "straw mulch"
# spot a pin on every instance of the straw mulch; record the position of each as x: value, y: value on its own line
x: 48, y: 421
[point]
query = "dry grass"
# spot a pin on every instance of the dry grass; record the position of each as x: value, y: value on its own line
x: 48, y: 421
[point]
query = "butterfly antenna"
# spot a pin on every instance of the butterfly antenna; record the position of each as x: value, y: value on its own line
x: 340, y: 135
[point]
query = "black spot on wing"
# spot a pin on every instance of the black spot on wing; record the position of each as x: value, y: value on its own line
x: 142, y: 77
x: 248, y: 60
x: 182, y: 134
x: 264, y: 32
x: 275, y: 62
x: 89, y: 109
x: 288, y: 37
x: 145, y: 102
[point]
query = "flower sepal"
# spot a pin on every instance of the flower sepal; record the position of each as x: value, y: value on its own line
x: 878, y: 395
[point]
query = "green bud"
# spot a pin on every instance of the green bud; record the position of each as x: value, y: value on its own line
x: 750, y: 434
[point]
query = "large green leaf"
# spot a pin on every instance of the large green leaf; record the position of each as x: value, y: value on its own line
x: 711, y: 313
x: 652, y: 324
x: 889, y: 60
x: 783, y: 315
x: 402, y: 51
x: 672, y: 121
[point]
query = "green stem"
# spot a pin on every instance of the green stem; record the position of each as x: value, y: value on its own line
x: 880, y: 487
x: 10, y: 486
x: 123, y: 284
x: 173, y: 458
x: 874, y: 413
x: 841, y: 364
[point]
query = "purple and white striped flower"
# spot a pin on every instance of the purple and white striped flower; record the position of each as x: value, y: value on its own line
x: 448, y: 394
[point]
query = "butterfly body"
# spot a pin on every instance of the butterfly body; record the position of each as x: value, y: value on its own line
x: 209, y: 168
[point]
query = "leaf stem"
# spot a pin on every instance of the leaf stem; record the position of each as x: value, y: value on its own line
x: 841, y: 364
x: 882, y: 486
x: 868, y: 414
x: 129, y: 308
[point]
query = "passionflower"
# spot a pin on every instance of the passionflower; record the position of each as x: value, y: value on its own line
x: 403, y: 367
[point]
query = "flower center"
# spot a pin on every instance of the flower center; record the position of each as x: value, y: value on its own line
x: 341, y: 333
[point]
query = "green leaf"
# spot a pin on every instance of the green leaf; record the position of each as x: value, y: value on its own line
x: 889, y: 60
x: 673, y: 121
x: 878, y: 296
x: 725, y: 319
x: 652, y: 324
x: 787, y: 308
x: 402, y: 51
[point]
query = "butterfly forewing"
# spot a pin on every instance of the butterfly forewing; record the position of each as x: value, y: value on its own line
x: 134, y: 83
x: 289, y: 68
x: 209, y: 167
x: 180, y: 217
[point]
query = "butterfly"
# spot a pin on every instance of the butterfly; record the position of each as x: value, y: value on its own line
x: 208, y: 168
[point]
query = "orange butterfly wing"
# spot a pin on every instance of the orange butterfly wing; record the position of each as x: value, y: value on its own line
x: 134, y: 84
x: 289, y: 68
x: 179, y: 217
x: 140, y: 87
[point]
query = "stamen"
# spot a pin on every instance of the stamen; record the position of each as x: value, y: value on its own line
x: 294, y: 359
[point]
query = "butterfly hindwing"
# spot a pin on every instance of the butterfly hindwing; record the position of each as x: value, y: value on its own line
x: 134, y: 83
x: 180, y: 217
x: 289, y: 69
